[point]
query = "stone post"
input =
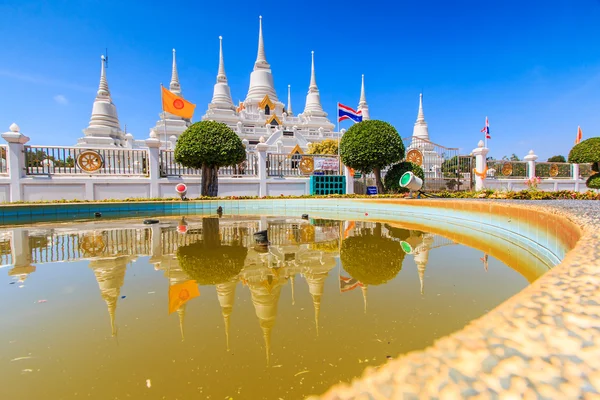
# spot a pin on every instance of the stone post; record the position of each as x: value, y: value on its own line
x: 16, y: 160
x: 261, y: 149
x: 530, y: 158
x: 349, y: 180
x: 575, y: 175
x: 154, y: 165
x: 480, y: 154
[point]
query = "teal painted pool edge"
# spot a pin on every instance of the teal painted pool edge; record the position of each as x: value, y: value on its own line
x: 549, y: 245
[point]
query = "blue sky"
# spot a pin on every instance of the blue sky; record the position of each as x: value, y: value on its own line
x: 532, y: 66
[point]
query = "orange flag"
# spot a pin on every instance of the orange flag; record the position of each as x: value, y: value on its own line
x: 177, y: 105
x: 579, y: 135
x: 181, y: 293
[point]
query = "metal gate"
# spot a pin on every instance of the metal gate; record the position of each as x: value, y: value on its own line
x: 444, y: 168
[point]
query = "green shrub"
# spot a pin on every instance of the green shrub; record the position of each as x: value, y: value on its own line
x: 392, y: 177
x: 593, y: 181
x: 371, y: 258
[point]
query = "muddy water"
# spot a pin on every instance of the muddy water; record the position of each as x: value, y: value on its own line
x: 196, y: 309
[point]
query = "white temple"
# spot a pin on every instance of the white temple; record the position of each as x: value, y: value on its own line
x: 432, y: 161
x: 261, y: 117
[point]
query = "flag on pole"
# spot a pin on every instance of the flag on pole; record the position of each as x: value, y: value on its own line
x: 579, y: 135
x: 177, y: 105
x: 181, y: 293
x: 345, y: 112
x: 486, y: 129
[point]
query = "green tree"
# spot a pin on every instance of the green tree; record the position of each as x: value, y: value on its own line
x: 370, y: 146
x: 327, y: 146
x: 392, y: 177
x: 557, y: 159
x: 372, y: 258
x: 209, y: 145
x: 513, y: 157
x: 588, y: 151
x: 208, y: 261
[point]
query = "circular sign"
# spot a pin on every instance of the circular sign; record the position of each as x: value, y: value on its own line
x: 89, y: 161
x: 181, y: 188
x: 554, y: 170
x: 415, y: 157
x: 178, y: 104
x: 507, y: 169
x: 307, y: 165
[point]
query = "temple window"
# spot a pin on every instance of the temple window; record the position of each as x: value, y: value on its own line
x: 267, y: 110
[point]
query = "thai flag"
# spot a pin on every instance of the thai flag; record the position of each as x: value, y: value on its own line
x: 348, y: 284
x: 486, y: 129
x: 345, y: 112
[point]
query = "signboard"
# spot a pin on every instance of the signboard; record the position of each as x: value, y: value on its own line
x: 319, y: 173
x: 326, y: 164
x: 371, y: 190
x: 357, y: 175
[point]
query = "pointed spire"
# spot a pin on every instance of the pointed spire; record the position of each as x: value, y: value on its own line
x: 175, y: 87
x: 421, y: 269
x: 181, y: 313
x: 103, y: 86
x: 221, y: 77
x: 226, y: 320
x: 363, y: 98
x: 292, y: 280
x: 313, y: 105
x: 317, y: 305
x: 261, y: 58
x: 112, y: 309
x: 421, y: 115
x: 364, y: 293
x: 289, y: 107
x: 363, y: 107
x: 313, y: 79
x: 267, y: 327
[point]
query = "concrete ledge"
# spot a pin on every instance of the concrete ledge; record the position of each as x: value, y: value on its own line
x: 542, y: 343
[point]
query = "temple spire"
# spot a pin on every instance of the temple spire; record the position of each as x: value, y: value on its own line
x: 221, y: 77
x: 261, y: 58
x: 313, y: 78
x: 313, y: 105
x: 421, y: 115
x: 362, y: 103
x: 174, y: 86
x: 289, y: 107
x: 103, y: 86
x: 221, y: 99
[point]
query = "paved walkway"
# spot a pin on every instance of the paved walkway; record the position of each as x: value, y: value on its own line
x: 542, y: 343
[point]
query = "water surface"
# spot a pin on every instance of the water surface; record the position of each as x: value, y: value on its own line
x: 85, y: 307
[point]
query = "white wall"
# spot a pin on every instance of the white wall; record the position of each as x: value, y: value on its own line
x: 288, y: 187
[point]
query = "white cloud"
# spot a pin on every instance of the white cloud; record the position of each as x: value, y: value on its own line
x: 60, y: 99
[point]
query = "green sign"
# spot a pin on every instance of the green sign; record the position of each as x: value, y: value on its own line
x: 357, y: 175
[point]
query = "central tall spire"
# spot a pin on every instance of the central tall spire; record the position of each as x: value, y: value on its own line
x: 313, y: 105
x: 261, y: 58
x: 261, y: 78
x: 421, y: 130
x: 362, y: 103
x: 289, y: 106
x: 221, y: 93
x: 421, y: 115
x: 175, y: 87
x: 221, y: 77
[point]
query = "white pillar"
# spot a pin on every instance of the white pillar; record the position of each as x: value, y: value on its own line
x: 575, y: 175
x: 153, y: 165
x: 349, y: 180
x: 21, y: 250
x: 530, y: 158
x: 16, y: 160
x: 480, y: 154
x: 261, y: 149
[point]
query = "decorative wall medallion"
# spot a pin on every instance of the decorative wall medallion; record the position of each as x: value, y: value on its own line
x: 92, y: 245
x: 89, y: 161
x: 554, y: 170
x: 307, y: 165
x: 415, y: 157
x: 507, y: 169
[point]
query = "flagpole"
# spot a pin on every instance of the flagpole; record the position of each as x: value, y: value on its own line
x: 164, y: 117
x: 339, y: 140
x: 486, y: 131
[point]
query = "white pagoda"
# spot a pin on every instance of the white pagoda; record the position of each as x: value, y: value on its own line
x: 431, y: 160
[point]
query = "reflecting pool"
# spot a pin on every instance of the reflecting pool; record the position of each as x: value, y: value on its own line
x: 195, y: 308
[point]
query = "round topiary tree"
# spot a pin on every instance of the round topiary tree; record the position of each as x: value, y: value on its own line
x: 370, y: 146
x: 208, y: 261
x: 392, y: 177
x: 371, y: 258
x: 588, y: 151
x: 208, y: 145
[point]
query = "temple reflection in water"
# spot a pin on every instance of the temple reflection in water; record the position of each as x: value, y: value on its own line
x: 223, y: 252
